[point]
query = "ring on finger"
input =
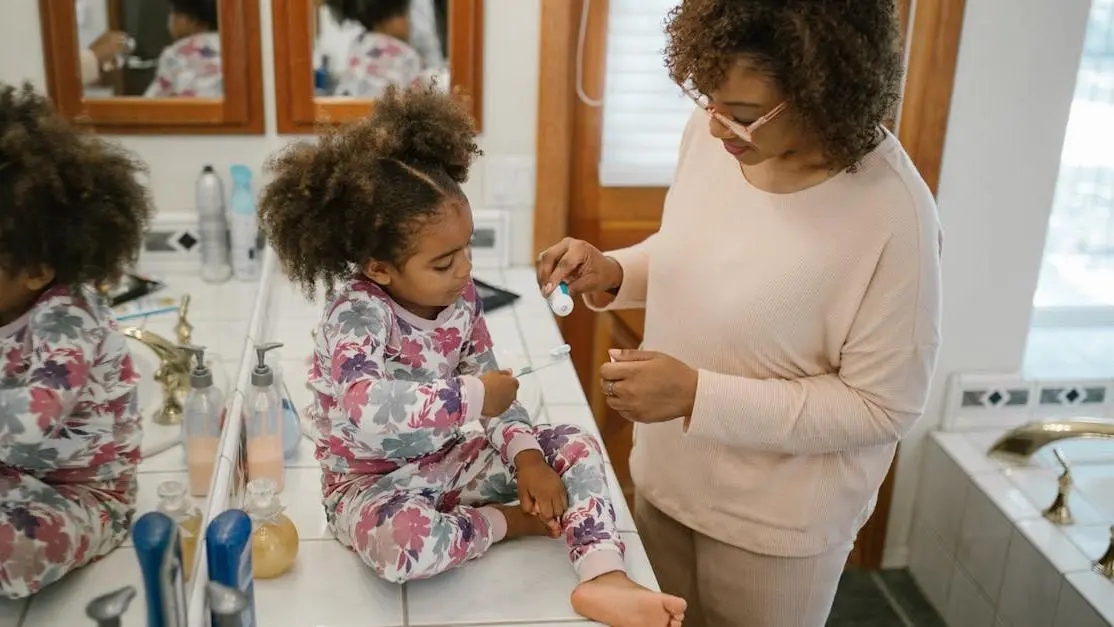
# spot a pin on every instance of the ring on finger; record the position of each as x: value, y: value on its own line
x: 610, y: 389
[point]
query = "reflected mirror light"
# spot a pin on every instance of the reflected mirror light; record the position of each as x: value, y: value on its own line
x: 149, y: 48
x: 363, y: 46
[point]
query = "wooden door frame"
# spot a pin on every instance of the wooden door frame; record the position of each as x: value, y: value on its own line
x: 570, y: 135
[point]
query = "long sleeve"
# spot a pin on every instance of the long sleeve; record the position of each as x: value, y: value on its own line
x: 375, y: 62
x: 511, y: 432
x: 880, y: 388
x: 62, y: 339
x: 375, y: 402
x: 89, y: 66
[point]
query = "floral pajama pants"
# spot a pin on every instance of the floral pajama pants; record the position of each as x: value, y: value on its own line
x: 47, y: 531
x: 423, y: 519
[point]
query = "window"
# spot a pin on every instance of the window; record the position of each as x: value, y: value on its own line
x: 1073, y: 316
x: 644, y: 112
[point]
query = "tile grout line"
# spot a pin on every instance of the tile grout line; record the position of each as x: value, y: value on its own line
x: 884, y: 589
x: 405, y: 605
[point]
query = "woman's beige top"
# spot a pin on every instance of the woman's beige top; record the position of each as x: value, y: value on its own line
x: 814, y: 321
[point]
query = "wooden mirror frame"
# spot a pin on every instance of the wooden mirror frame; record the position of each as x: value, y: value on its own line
x: 240, y: 111
x: 301, y: 111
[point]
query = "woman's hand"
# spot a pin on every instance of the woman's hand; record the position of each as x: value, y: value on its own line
x: 108, y: 45
x: 540, y: 489
x: 580, y: 265
x: 645, y: 386
x: 500, y: 390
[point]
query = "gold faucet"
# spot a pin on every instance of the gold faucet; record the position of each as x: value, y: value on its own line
x: 1059, y: 512
x: 1020, y: 444
x: 1105, y: 564
x: 173, y: 373
x: 184, y: 330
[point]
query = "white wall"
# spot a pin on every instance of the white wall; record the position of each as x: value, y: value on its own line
x: 1018, y: 61
x: 510, y: 108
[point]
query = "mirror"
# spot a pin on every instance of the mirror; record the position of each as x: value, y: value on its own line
x: 333, y: 58
x: 155, y: 66
x: 360, y: 48
x: 149, y: 48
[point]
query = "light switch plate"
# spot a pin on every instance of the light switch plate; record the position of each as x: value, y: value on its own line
x: 509, y: 182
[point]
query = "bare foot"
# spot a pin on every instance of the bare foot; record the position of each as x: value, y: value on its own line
x: 614, y: 600
x: 520, y: 524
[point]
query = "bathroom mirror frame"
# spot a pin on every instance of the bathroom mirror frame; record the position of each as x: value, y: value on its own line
x: 301, y: 111
x: 239, y: 112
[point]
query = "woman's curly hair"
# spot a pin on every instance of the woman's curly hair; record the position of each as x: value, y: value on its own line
x: 68, y: 199
x: 361, y: 192
x: 838, y: 62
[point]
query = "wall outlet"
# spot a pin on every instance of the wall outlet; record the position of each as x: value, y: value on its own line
x: 509, y: 182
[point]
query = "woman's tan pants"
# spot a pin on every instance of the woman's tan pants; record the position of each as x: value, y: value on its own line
x: 726, y: 586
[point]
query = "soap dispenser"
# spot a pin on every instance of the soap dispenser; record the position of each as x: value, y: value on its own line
x: 175, y: 503
x: 274, y: 538
x: 264, y: 421
x: 201, y: 428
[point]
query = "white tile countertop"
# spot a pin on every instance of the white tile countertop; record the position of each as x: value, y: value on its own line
x: 219, y: 314
x: 522, y: 582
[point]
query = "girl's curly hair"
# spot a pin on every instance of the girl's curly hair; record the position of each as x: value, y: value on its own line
x: 838, y: 62
x: 362, y: 191
x: 68, y: 199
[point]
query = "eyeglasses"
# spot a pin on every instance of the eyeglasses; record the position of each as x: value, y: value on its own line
x: 744, y: 132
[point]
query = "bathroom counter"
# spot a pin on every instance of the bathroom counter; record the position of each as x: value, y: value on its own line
x: 219, y: 314
x: 524, y: 582
x: 983, y: 553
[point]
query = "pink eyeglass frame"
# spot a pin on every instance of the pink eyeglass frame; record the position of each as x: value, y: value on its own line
x: 743, y: 132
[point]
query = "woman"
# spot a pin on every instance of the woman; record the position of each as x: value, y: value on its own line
x: 792, y: 301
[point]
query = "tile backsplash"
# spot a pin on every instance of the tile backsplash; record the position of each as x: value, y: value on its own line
x: 986, y: 401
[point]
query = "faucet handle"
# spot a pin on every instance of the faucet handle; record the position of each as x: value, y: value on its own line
x: 1063, y: 460
x: 184, y: 330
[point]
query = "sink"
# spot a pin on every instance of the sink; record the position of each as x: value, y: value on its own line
x: 156, y: 437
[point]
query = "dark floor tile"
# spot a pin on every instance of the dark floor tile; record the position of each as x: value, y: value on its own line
x: 908, y: 596
x: 860, y: 603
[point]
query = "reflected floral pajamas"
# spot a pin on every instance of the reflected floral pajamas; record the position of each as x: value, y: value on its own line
x: 69, y: 439
x: 406, y: 476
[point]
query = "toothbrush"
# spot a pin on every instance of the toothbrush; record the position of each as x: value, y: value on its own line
x: 556, y: 356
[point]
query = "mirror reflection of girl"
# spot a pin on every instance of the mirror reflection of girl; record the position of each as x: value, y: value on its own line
x: 73, y: 216
x: 191, y: 66
x: 381, y: 55
x: 404, y: 364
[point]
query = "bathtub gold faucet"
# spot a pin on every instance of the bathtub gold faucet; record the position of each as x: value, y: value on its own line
x: 173, y: 373
x: 1059, y: 512
x: 1020, y: 444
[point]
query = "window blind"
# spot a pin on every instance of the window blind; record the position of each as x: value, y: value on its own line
x: 644, y: 112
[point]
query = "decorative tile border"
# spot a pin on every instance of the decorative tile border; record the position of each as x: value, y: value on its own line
x: 987, y: 401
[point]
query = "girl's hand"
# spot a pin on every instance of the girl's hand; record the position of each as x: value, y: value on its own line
x: 500, y: 390
x: 540, y: 489
x: 580, y: 265
x: 645, y: 386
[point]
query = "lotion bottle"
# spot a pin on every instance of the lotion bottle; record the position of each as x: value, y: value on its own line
x: 201, y: 428
x: 212, y: 226
x: 274, y: 538
x: 175, y: 503
x: 264, y: 421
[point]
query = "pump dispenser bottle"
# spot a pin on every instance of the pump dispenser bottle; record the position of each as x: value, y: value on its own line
x: 175, y: 503
x: 264, y: 421
x: 274, y: 539
x: 201, y: 428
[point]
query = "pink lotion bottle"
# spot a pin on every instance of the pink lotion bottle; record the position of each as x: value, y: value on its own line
x: 203, y: 409
x: 264, y: 421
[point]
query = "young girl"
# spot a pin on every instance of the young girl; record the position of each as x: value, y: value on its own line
x: 380, y: 56
x: 191, y: 66
x: 403, y: 362
x: 71, y: 215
